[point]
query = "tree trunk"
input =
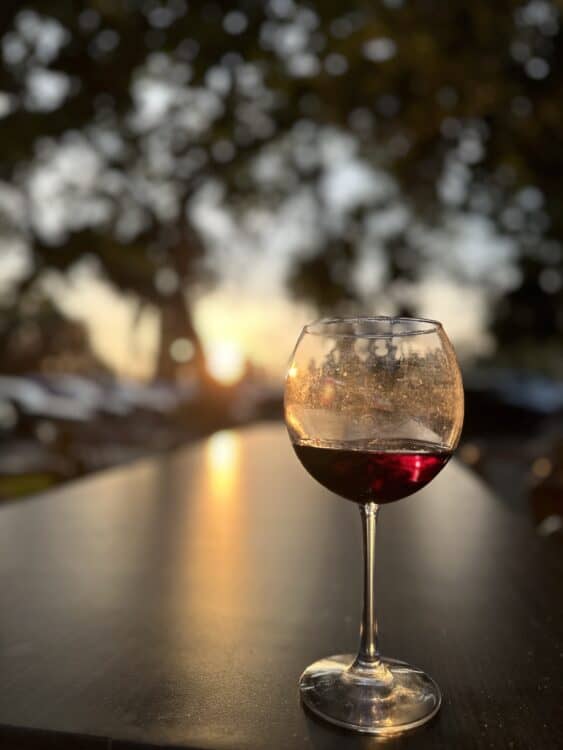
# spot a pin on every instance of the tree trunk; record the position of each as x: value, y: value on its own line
x: 176, y: 323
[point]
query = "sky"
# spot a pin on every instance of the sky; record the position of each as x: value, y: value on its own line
x: 256, y: 324
x: 262, y: 326
x: 71, y: 184
x: 248, y: 313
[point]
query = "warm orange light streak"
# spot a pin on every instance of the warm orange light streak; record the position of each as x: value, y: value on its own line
x: 222, y: 463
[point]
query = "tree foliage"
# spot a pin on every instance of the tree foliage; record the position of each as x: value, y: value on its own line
x: 116, y: 115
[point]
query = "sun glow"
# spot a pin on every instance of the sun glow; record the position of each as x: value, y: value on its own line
x: 225, y: 361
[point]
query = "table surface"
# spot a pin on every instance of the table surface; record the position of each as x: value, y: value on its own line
x: 175, y: 601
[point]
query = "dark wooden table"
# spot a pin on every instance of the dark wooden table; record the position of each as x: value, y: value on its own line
x: 174, y: 602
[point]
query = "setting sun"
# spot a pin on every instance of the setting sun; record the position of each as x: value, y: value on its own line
x: 225, y: 361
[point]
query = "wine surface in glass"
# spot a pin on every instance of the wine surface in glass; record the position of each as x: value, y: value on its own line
x: 365, y: 472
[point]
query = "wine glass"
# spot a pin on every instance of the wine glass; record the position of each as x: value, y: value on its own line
x: 374, y: 409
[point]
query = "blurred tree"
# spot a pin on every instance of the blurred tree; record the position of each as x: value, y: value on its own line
x: 117, y: 116
x: 44, y: 335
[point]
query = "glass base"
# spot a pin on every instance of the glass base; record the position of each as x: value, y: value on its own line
x: 390, y: 698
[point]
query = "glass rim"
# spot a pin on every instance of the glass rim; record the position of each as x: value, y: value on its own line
x: 430, y: 326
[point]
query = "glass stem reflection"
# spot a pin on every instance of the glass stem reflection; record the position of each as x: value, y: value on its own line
x: 367, y: 660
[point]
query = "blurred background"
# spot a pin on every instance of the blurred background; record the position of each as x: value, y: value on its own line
x: 184, y: 184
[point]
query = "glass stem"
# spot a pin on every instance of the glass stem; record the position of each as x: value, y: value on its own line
x: 368, y: 661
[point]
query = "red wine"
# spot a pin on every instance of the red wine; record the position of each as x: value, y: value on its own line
x: 366, y: 474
